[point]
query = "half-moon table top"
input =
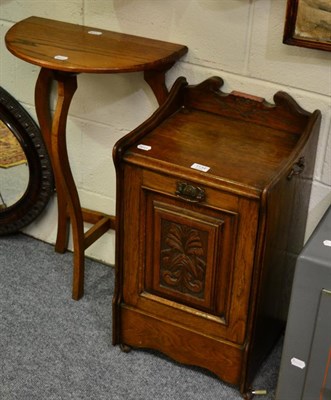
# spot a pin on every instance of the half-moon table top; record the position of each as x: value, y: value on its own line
x: 75, y: 48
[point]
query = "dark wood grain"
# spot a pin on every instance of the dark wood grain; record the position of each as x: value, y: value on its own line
x: 38, y: 40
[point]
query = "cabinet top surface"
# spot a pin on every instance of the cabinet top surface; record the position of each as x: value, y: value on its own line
x: 75, y: 48
x: 243, y: 153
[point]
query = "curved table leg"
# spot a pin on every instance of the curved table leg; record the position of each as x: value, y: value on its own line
x: 156, y: 81
x: 54, y: 131
x: 67, y: 85
x: 42, y: 98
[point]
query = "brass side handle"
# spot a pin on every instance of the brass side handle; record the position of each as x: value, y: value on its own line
x: 189, y: 192
x: 297, y: 168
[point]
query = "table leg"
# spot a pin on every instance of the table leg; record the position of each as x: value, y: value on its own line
x: 54, y: 131
x: 156, y: 81
x: 42, y: 99
x: 53, y: 128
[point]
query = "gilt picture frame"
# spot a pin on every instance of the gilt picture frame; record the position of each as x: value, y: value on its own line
x: 308, y: 24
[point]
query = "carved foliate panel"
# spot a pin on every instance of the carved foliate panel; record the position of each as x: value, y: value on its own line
x: 189, y: 254
x: 183, y: 258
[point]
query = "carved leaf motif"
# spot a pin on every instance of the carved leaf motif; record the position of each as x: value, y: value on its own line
x: 182, y: 262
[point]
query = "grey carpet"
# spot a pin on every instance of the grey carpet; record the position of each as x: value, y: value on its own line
x: 53, y: 348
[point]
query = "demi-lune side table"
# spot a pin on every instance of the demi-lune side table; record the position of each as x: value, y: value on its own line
x: 63, y: 50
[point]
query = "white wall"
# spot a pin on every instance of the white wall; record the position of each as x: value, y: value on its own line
x: 239, y: 40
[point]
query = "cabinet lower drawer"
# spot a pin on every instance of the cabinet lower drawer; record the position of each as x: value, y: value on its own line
x: 139, y: 329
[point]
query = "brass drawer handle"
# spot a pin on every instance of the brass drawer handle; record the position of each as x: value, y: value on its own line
x: 297, y: 168
x: 189, y: 192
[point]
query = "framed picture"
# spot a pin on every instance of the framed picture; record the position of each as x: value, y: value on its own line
x: 308, y: 24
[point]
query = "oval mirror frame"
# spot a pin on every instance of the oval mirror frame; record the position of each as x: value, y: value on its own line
x: 40, y: 186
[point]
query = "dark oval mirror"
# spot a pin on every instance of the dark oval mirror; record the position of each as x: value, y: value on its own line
x: 26, y: 177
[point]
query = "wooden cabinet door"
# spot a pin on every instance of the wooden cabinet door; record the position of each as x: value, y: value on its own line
x: 190, y: 261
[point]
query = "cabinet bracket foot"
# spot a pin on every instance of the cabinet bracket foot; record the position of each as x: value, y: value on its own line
x: 125, y: 348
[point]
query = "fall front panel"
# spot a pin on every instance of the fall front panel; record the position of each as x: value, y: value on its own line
x: 189, y: 254
x: 185, y: 262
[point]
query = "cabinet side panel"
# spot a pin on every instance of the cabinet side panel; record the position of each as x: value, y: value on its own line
x: 285, y: 216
